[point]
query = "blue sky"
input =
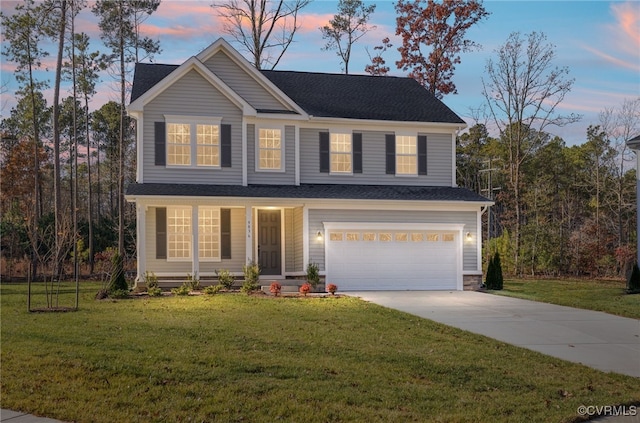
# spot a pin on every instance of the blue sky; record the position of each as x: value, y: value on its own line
x: 599, y: 41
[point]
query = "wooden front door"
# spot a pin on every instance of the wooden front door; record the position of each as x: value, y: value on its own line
x: 269, y: 242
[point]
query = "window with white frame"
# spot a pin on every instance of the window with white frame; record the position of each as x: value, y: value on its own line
x: 179, y: 233
x: 406, y: 155
x: 179, y: 144
x: 341, y: 157
x: 270, y: 149
x: 209, y: 234
x: 193, y: 141
x: 208, y: 141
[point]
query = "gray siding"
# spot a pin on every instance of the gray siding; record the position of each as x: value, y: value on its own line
x: 242, y: 83
x: 294, y: 259
x: 238, y: 257
x: 254, y: 176
x: 316, y: 217
x: 439, y: 162
x: 192, y: 95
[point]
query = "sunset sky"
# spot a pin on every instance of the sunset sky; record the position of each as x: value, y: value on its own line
x: 599, y: 41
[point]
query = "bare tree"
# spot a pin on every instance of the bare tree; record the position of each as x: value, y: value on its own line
x: 265, y: 28
x: 347, y: 27
x: 522, y: 90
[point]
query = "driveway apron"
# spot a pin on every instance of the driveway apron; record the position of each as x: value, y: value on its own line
x: 599, y: 340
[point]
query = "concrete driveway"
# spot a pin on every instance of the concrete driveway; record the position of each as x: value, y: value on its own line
x: 599, y: 340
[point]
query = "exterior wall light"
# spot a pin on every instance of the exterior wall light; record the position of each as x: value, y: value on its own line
x: 468, y: 236
x: 319, y: 236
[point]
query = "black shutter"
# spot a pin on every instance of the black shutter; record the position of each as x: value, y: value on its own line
x: 422, y: 154
x: 225, y: 146
x: 160, y: 143
x: 391, y: 153
x: 161, y: 232
x: 225, y: 233
x: 357, y: 153
x: 324, y: 152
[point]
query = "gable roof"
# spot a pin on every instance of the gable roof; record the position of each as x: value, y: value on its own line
x: 362, y: 97
x: 310, y: 191
x: 383, y: 98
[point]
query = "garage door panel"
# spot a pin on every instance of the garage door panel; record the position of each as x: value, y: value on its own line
x: 409, y: 260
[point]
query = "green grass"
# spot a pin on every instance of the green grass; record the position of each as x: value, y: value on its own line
x: 234, y: 357
x: 600, y: 295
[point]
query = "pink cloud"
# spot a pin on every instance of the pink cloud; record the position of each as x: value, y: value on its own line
x: 628, y: 19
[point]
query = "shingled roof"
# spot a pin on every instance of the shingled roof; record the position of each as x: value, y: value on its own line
x: 336, y: 95
x: 310, y: 191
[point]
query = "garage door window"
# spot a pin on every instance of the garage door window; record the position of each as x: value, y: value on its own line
x: 402, y: 237
x: 335, y: 236
x: 369, y: 236
x: 447, y: 237
x: 417, y: 237
x: 432, y: 237
x: 384, y: 237
x: 353, y: 236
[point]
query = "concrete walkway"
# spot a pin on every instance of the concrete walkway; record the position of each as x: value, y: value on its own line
x: 599, y: 340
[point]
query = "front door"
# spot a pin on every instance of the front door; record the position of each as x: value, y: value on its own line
x: 269, y: 243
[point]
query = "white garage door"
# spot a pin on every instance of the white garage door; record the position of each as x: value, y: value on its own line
x: 393, y: 259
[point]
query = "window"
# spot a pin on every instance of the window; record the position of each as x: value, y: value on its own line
x: 340, y: 148
x: 209, y: 233
x: 384, y: 237
x: 178, y: 144
x: 193, y: 141
x: 270, y: 149
x: 179, y: 234
x: 369, y: 236
x: 335, y: 236
x: 402, y: 237
x: 406, y: 155
x: 353, y: 236
x: 447, y: 237
x: 208, y: 139
x: 432, y: 237
x: 417, y: 237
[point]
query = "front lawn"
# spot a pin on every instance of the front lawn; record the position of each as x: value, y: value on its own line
x: 600, y: 295
x: 234, y: 357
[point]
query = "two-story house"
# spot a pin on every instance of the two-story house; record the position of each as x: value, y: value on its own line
x: 354, y: 173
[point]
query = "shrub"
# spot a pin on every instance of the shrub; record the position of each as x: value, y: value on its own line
x: 305, y: 289
x: 193, y: 282
x: 494, y: 279
x: 183, y: 289
x: 332, y: 288
x: 275, y: 288
x: 119, y: 293
x: 154, y: 292
x: 633, y: 283
x: 224, y: 278
x: 313, y: 274
x: 213, y: 289
x: 117, y: 282
x: 251, y: 276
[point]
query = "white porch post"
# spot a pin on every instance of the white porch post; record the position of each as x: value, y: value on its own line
x: 634, y: 144
x: 141, y: 244
x: 249, y: 224
x: 195, y: 269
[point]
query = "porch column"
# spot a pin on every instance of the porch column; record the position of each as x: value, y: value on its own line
x: 248, y: 211
x: 195, y: 263
x: 141, y: 244
x: 634, y: 144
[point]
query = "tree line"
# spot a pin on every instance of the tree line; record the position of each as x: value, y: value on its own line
x: 558, y: 209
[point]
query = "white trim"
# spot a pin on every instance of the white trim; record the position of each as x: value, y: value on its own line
x: 245, y: 176
x: 305, y: 236
x: 141, y: 244
x: 195, y: 247
x: 281, y: 128
x: 248, y: 250
x: 316, y: 122
x: 479, y: 241
x: 297, y: 154
x: 139, y: 117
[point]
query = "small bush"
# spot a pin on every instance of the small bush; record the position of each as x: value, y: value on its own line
x: 119, y: 293
x: 633, y: 283
x: 183, y: 289
x: 251, y: 276
x: 313, y: 274
x: 213, y: 289
x: 275, y: 288
x: 193, y: 282
x: 332, y: 288
x: 154, y: 292
x: 117, y: 282
x: 494, y: 279
x: 224, y: 278
x: 305, y: 289
x: 150, y: 280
